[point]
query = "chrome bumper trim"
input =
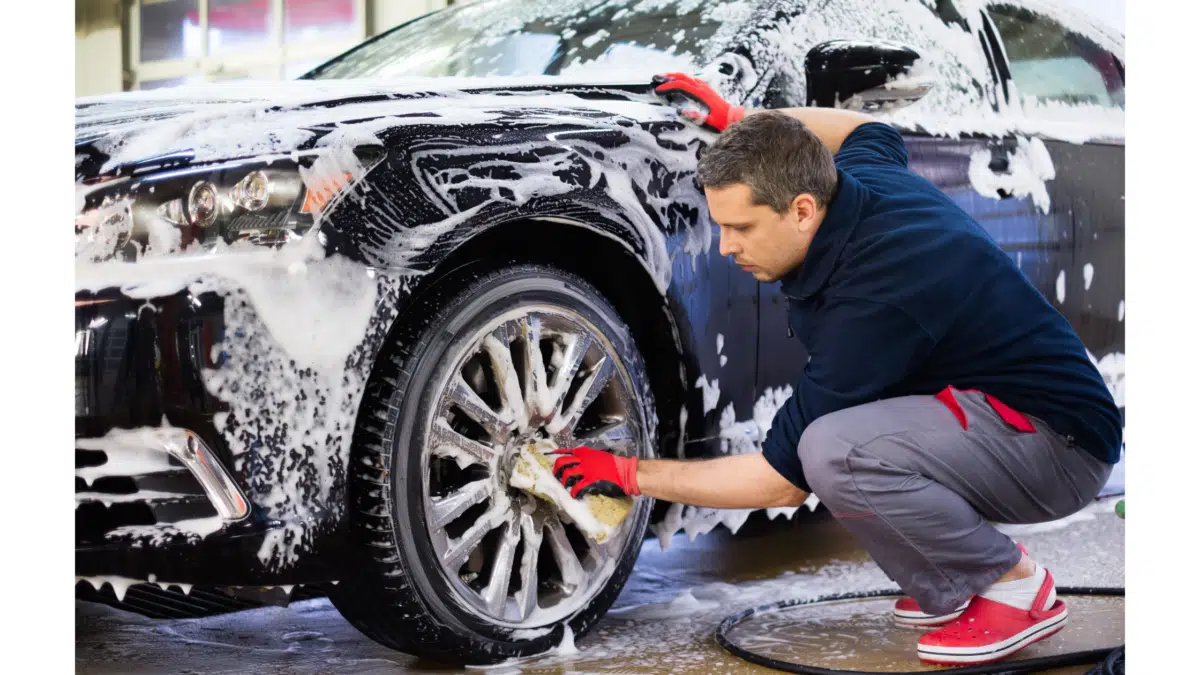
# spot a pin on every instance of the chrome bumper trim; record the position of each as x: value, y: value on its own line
x: 224, y: 494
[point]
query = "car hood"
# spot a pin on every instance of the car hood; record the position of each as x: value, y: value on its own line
x: 124, y: 134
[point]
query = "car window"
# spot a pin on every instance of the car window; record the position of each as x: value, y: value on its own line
x: 1049, y: 62
x: 533, y: 37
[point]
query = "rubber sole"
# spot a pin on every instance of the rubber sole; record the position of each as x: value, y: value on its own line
x: 952, y: 656
x: 923, y: 620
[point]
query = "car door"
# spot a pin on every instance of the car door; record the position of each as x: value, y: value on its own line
x: 1066, y: 84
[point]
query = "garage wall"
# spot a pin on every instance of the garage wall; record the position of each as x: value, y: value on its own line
x: 101, y: 28
x: 98, y: 61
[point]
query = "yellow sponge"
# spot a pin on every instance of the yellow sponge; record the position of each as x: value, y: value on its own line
x: 596, y: 515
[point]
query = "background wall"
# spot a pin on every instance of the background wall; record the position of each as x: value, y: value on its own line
x: 106, y: 56
x: 98, y: 60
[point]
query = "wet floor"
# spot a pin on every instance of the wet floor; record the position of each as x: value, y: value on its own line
x: 663, y: 622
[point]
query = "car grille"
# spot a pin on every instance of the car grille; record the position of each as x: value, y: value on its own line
x: 138, y: 491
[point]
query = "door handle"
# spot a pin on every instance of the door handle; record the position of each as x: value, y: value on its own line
x: 1000, y: 164
x: 999, y: 161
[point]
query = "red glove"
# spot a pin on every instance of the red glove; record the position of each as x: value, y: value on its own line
x: 589, y: 471
x: 720, y: 113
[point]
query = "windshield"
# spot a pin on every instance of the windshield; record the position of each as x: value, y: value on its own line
x: 545, y: 37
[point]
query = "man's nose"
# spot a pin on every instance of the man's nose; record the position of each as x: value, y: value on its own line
x: 727, y: 247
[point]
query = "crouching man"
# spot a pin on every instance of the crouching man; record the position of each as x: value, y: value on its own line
x: 943, y: 390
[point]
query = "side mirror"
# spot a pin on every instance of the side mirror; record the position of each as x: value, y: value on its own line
x: 864, y: 75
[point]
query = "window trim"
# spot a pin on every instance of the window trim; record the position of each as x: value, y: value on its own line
x: 275, y: 56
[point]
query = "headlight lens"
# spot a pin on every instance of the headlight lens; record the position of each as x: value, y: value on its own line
x: 263, y: 203
x: 253, y: 191
x: 201, y: 208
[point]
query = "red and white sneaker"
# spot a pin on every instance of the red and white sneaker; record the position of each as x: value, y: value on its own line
x: 908, y: 613
x: 990, y: 631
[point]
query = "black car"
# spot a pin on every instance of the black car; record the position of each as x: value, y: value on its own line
x: 316, y: 319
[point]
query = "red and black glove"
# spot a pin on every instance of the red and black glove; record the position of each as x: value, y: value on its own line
x: 589, y: 471
x: 720, y: 114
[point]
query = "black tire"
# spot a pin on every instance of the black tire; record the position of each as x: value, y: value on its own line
x: 394, y: 590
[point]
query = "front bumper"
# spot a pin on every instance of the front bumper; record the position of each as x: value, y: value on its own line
x: 157, y: 490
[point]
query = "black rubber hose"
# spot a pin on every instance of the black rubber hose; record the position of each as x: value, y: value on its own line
x: 1111, y: 660
x: 1114, y: 663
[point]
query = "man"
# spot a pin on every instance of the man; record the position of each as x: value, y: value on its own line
x: 943, y: 391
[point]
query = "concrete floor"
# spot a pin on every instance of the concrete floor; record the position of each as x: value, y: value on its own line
x: 663, y: 622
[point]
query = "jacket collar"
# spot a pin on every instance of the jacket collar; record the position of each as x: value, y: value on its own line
x: 832, y: 236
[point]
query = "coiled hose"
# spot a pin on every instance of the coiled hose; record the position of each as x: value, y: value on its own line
x: 1108, y: 660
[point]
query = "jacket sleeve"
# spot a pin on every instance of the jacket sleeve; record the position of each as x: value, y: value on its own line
x: 872, y: 143
x: 860, y: 349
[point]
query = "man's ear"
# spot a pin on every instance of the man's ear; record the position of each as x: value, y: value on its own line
x: 804, y: 209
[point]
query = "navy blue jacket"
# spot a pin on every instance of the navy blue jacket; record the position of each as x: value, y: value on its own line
x: 903, y: 293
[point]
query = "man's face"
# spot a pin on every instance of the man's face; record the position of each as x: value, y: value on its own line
x: 765, y: 243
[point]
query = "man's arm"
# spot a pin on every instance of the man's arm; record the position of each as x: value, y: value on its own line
x: 831, y: 125
x: 732, y: 482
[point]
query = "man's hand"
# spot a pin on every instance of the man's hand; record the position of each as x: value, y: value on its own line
x: 587, y: 471
x: 720, y: 113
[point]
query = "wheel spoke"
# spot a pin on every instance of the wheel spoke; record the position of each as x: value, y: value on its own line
x: 535, y: 371
x: 595, y: 383
x: 564, y: 555
x: 465, y: 451
x: 446, y: 509
x: 615, y: 435
x: 508, y: 385
x: 460, y: 548
x: 572, y: 357
x: 496, y: 592
x: 527, y: 594
x: 498, y: 425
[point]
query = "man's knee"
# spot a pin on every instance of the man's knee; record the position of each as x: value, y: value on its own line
x: 824, y: 448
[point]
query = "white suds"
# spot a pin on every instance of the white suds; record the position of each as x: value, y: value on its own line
x: 592, y: 39
x: 531, y: 633
x: 1029, y: 167
x: 712, y: 393
x: 720, y: 342
x: 682, y: 605
x: 1088, y: 273
x: 1112, y: 369
x: 132, y: 452
x: 736, y: 438
x: 119, y: 584
x: 1060, y: 286
x: 161, y: 533
x: 567, y: 646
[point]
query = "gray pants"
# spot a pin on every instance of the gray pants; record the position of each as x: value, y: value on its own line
x: 917, y: 491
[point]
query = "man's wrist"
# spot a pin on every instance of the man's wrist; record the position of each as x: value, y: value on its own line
x: 627, y: 470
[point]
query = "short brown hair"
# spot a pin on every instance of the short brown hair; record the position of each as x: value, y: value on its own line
x: 776, y: 156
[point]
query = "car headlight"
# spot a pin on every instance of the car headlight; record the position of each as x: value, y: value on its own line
x: 265, y: 203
